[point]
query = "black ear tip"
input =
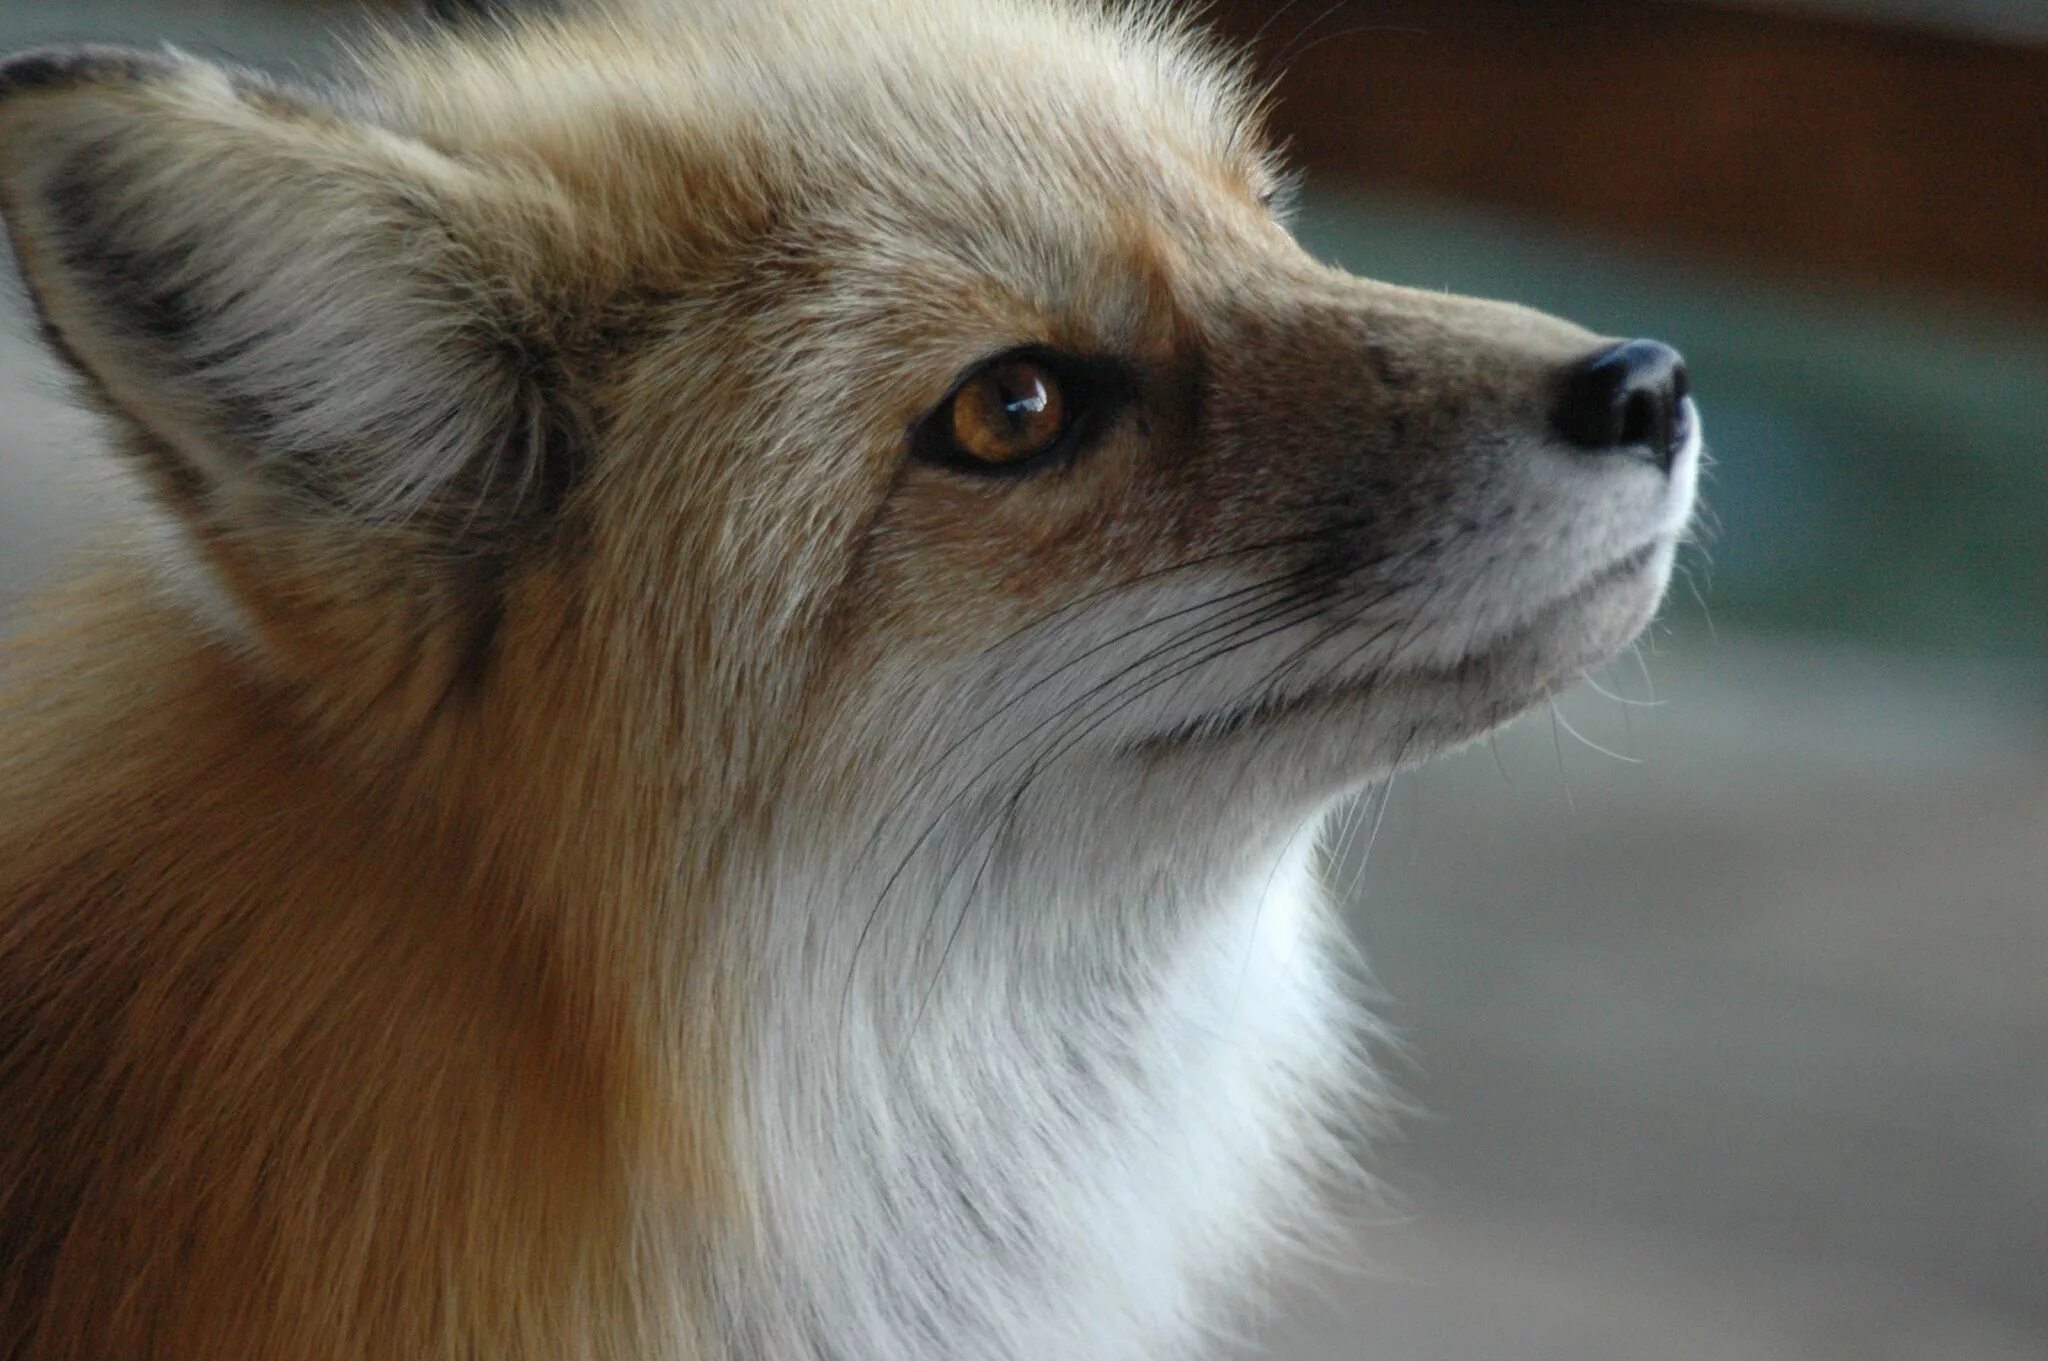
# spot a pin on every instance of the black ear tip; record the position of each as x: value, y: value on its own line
x: 455, y: 11
x: 67, y: 67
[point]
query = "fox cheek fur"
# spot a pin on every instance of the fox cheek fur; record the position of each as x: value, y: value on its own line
x: 713, y: 740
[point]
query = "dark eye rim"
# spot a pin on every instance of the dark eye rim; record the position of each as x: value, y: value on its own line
x: 1092, y: 389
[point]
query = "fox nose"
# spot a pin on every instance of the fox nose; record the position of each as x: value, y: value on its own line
x: 1627, y: 399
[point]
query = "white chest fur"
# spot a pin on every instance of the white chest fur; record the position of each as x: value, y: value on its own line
x: 1051, y: 1139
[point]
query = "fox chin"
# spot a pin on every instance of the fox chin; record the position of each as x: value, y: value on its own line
x: 712, y: 739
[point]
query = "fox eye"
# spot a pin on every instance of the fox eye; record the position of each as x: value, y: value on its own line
x: 1007, y: 412
x: 1023, y: 411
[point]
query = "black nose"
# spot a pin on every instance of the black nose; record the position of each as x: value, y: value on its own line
x: 1629, y: 399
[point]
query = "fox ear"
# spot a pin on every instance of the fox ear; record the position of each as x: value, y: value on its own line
x: 292, y: 313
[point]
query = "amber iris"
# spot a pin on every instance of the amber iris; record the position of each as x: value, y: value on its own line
x: 1008, y: 412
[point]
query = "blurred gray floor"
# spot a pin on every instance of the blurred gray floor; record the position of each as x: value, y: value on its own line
x: 1739, y: 1052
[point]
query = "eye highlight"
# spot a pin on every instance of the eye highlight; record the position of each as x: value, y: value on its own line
x: 1008, y: 411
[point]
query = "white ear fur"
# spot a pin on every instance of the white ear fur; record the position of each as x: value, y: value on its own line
x: 280, y: 299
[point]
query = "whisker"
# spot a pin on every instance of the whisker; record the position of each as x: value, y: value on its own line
x: 1355, y: 875
x: 1635, y: 650
x: 1354, y: 31
x: 1493, y: 745
x: 1188, y: 564
x: 1563, y: 779
x: 1244, y: 972
x: 1252, y: 44
x: 1605, y: 693
x: 1557, y: 717
x: 996, y: 828
x: 1373, y: 840
x: 1288, y: 50
x: 1705, y: 611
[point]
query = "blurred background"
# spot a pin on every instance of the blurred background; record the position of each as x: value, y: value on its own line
x: 1724, y: 984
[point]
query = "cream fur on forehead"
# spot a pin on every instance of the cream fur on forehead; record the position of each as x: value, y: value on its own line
x: 913, y: 69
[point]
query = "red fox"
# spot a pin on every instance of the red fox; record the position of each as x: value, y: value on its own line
x: 750, y: 615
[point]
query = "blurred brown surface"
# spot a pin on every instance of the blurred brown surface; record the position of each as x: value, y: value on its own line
x: 1782, y: 138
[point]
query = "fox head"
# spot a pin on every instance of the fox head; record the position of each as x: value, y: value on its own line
x: 745, y: 399
x: 752, y: 601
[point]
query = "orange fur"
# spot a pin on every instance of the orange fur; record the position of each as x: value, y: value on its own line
x: 278, y: 1129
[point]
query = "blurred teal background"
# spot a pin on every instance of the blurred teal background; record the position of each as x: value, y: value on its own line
x: 1724, y: 986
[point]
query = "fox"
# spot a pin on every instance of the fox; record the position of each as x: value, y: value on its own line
x: 712, y: 734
